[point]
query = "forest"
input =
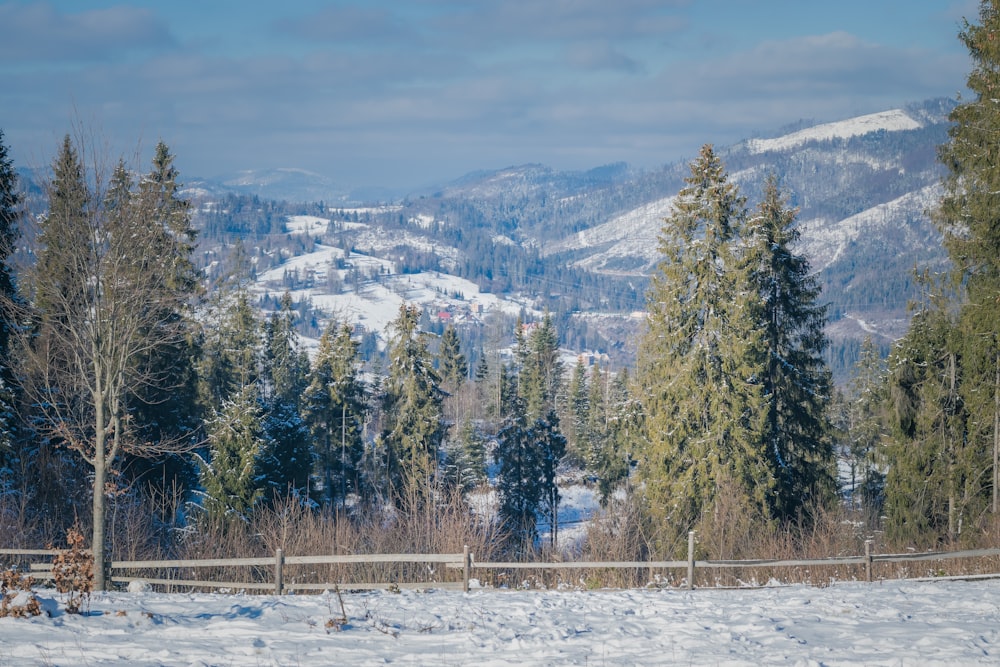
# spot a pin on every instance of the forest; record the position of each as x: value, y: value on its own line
x: 147, y: 401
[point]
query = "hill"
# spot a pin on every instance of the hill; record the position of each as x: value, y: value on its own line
x: 526, y: 239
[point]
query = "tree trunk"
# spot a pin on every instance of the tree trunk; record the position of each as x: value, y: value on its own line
x: 100, y: 475
x: 996, y: 435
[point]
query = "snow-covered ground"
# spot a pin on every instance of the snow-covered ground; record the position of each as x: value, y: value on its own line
x: 897, y: 623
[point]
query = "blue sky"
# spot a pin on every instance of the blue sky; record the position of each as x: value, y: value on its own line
x: 408, y: 93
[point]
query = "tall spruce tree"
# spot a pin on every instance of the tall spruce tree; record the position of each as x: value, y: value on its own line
x: 700, y: 366
x: 103, y: 298
x: 169, y: 411
x: 10, y: 217
x: 864, y: 430
x: 795, y: 379
x: 413, y: 425
x: 519, y: 484
x: 934, y: 484
x: 230, y: 473
x: 287, y: 462
x: 969, y: 216
x: 452, y: 365
x: 334, y: 408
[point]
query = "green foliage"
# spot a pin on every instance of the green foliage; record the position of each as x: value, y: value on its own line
x: 412, y: 408
x: 229, y: 475
x: 10, y: 218
x: 334, y: 408
x: 794, y: 377
x: 452, y: 364
x: 700, y: 369
x: 944, y: 384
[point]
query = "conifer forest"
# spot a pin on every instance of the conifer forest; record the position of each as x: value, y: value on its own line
x: 152, y: 399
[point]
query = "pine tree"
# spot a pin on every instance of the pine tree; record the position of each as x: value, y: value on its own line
x: 968, y: 215
x: 334, y: 409
x: 541, y: 369
x: 518, y: 484
x: 413, y: 429
x: 550, y: 444
x: 287, y: 462
x: 864, y: 430
x: 10, y: 217
x: 699, y: 365
x: 169, y: 411
x: 624, y: 437
x: 103, y: 294
x: 579, y: 415
x: 451, y: 362
x: 229, y: 475
x: 934, y: 484
x: 596, y: 426
x: 795, y: 379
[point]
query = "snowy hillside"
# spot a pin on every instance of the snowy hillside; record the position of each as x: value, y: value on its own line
x: 888, y: 623
x: 372, y: 302
x: 894, y: 120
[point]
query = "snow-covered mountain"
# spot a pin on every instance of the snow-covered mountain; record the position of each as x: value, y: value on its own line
x: 582, y: 244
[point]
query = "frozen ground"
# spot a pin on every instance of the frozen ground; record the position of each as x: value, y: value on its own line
x: 899, y: 623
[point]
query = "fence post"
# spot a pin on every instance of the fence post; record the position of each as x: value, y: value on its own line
x: 279, y: 574
x: 868, y: 560
x: 466, y: 568
x: 690, y: 560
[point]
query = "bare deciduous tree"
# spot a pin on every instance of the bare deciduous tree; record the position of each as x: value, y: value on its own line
x: 103, y: 301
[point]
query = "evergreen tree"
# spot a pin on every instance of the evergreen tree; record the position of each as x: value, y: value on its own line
x: 103, y: 298
x: 169, y: 411
x: 700, y: 370
x: 287, y: 462
x: 541, y: 370
x: 551, y: 447
x: 451, y: 362
x: 579, y: 415
x: 233, y: 349
x: 10, y: 216
x: 934, y: 484
x: 413, y: 426
x: 236, y: 439
x: 795, y: 379
x: 596, y: 426
x: 624, y: 437
x: 969, y: 216
x: 334, y: 409
x: 518, y: 484
x: 864, y: 430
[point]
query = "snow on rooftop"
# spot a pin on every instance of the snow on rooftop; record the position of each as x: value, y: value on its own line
x: 894, y: 120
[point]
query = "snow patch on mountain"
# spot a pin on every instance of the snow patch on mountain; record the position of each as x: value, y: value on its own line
x: 629, y: 243
x: 824, y: 241
x: 893, y: 120
x: 306, y: 224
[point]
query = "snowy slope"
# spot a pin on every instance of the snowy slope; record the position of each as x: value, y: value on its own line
x: 890, y: 623
x: 890, y: 121
x: 375, y: 301
x: 829, y: 239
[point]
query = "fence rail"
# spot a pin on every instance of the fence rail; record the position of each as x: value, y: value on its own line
x: 271, y: 571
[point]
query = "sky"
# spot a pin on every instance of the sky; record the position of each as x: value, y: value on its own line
x: 413, y: 93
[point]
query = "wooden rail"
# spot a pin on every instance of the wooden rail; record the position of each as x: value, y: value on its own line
x: 465, y: 561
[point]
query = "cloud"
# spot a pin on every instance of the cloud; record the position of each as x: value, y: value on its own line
x: 602, y: 56
x: 37, y: 32
x: 528, y: 20
x: 348, y: 25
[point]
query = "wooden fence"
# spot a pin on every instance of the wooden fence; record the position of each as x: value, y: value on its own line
x: 272, y: 573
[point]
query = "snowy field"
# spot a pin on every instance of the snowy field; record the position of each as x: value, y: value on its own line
x: 892, y: 623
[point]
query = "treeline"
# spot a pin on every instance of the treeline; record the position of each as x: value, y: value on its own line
x: 171, y: 418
